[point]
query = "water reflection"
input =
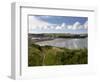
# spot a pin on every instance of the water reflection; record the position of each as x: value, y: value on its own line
x: 68, y: 43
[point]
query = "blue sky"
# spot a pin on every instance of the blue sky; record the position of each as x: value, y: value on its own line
x: 63, y: 19
x: 57, y: 24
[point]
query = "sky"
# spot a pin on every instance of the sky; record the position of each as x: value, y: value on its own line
x: 57, y: 24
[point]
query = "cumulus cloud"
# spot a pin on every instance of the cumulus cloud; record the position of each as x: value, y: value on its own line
x: 58, y: 27
x: 37, y: 24
x: 76, y: 26
x: 86, y: 25
x: 69, y: 27
x: 63, y: 25
x: 34, y: 23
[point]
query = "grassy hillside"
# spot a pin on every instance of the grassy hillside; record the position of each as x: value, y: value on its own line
x: 48, y: 55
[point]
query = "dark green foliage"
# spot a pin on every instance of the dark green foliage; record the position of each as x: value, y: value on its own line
x: 34, y: 56
x: 48, y: 55
x: 48, y: 47
x: 59, y: 35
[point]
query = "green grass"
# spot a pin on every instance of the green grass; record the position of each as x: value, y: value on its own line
x: 48, y: 55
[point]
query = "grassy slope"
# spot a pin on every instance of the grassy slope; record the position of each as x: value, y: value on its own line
x: 47, y: 55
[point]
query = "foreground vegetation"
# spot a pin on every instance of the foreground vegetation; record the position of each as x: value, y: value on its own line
x: 48, y: 55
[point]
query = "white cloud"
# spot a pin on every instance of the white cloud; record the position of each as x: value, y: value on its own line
x: 45, y: 27
x: 86, y: 25
x: 51, y: 27
x: 58, y: 27
x: 63, y: 24
x: 69, y: 26
x: 76, y: 26
x: 35, y: 23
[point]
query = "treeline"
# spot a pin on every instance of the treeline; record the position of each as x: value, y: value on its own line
x: 59, y: 35
x: 48, y: 55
